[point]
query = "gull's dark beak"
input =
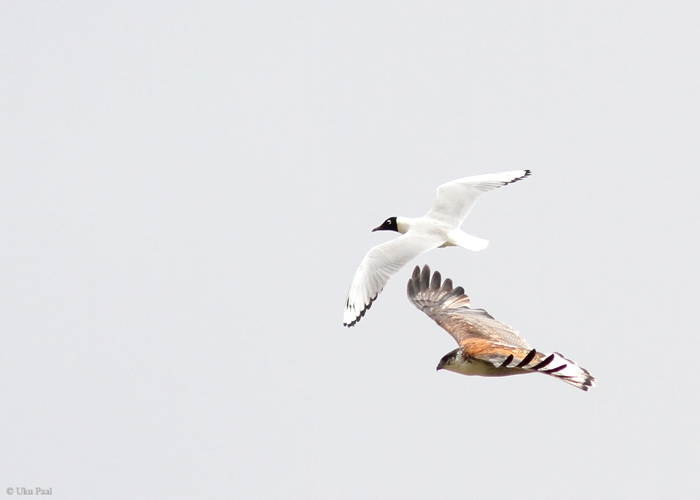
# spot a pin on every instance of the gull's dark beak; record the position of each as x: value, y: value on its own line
x: 376, y: 228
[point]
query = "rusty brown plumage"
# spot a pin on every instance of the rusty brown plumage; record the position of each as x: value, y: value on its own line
x: 487, y: 347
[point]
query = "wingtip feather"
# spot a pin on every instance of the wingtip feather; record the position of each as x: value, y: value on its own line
x: 423, y: 289
x: 358, y: 316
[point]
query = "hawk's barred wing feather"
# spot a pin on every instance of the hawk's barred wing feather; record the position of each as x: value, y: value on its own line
x: 449, y: 308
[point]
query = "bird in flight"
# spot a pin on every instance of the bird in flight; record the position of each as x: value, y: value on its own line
x: 487, y: 347
x: 437, y: 228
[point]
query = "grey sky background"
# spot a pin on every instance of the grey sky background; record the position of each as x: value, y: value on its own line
x: 186, y: 190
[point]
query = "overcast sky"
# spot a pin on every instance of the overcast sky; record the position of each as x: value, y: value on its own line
x: 187, y: 188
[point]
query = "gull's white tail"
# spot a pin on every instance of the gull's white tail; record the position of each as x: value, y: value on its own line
x: 459, y: 238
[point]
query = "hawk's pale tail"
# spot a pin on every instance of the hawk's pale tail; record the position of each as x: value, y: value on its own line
x: 562, y: 368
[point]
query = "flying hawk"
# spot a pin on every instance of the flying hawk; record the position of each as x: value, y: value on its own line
x: 487, y: 347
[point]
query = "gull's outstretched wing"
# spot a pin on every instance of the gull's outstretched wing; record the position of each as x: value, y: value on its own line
x: 455, y: 199
x: 380, y: 264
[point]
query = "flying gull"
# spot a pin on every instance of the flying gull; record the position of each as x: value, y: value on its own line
x: 438, y: 228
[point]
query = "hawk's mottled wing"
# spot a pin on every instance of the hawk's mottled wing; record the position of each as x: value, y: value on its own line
x: 482, y: 337
x: 449, y: 308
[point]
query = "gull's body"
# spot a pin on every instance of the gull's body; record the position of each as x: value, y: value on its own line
x: 487, y: 347
x: 437, y: 228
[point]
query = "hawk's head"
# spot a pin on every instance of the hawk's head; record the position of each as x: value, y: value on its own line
x: 449, y: 359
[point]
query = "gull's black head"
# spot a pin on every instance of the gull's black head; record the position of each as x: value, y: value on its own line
x: 388, y: 225
x: 447, y: 359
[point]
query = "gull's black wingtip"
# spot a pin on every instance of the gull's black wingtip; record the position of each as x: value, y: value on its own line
x: 362, y: 313
x: 527, y: 174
